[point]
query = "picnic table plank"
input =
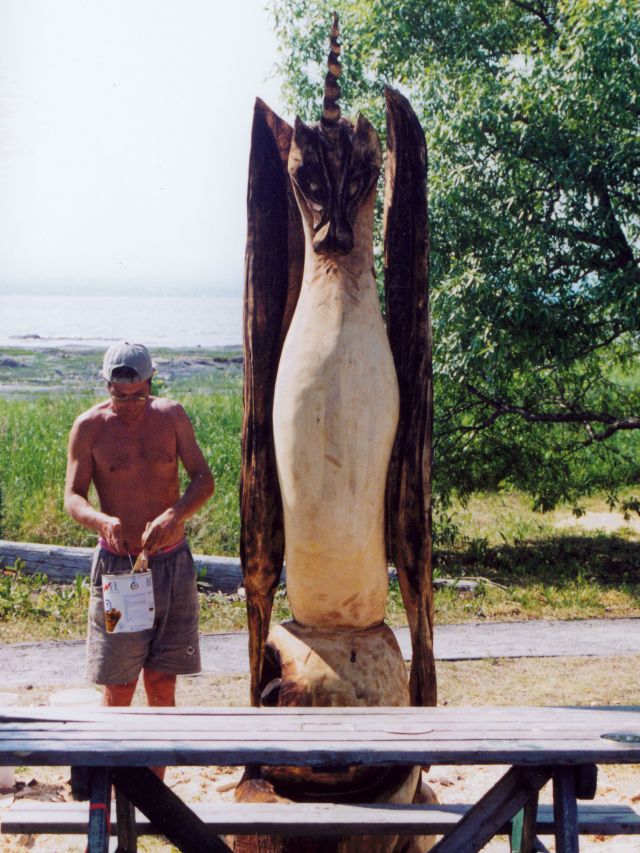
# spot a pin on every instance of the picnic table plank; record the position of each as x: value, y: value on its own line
x: 27, y: 815
x: 309, y: 753
x: 446, y: 712
x: 170, y: 732
x: 392, y: 725
x: 393, y: 720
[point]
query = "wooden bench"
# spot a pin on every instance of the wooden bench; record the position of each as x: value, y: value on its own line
x: 30, y: 817
x: 562, y: 745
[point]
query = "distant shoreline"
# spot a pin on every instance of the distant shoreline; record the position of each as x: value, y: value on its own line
x: 40, y: 343
x: 29, y: 372
x: 176, y: 323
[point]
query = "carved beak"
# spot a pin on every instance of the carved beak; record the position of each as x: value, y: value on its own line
x: 335, y: 236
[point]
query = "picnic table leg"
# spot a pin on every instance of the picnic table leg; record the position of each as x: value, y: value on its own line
x: 166, y: 811
x: 523, y: 827
x: 81, y: 783
x: 586, y: 776
x: 126, y: 820
x: 494, y: 810
x: 565, y: 810
x: 99, y: 831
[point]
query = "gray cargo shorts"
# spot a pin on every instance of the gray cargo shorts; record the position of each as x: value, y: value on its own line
x: 171, y: 645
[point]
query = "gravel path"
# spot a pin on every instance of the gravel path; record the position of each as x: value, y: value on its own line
x: 62, y: 663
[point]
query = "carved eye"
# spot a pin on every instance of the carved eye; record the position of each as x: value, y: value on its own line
x: 313, y: 193
x: 354, y: 186
x: 310, y: 187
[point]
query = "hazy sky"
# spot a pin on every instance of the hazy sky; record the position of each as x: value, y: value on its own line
x: 124, y: 139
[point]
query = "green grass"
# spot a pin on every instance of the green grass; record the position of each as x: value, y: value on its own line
x: 33, y: 444
x: 32, y: 608
x: 536, y: 566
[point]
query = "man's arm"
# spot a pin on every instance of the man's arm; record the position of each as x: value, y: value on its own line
x: 77, y: 482
x: 158, y: 532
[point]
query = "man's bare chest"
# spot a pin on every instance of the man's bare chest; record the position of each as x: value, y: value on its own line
x: 120, y: 452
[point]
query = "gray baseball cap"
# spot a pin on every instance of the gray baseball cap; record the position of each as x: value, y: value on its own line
x: 124, y: 354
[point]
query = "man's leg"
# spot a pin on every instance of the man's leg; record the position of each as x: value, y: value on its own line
x: 160, y: 688
x: 119, y: 695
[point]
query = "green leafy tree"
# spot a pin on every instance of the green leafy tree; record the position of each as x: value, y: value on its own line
x: 532, y: 116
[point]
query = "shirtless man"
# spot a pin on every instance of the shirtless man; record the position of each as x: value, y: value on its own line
x: 129, y: 447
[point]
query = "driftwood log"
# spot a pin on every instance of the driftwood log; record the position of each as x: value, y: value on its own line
x: 63, y: 565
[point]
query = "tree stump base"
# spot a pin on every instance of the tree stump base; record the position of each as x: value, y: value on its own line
x: 316, y: 667
x: 344, y: 667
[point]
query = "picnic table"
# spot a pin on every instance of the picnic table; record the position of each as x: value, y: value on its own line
x: 539, y: 744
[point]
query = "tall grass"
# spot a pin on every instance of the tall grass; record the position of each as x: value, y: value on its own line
x: 33, y: 448
x: 33, y: 442
x: 217, y: 420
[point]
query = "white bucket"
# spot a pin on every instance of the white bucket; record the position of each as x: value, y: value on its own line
x: 7, y: 774
x: 76, y: 697
x: 128, y: 602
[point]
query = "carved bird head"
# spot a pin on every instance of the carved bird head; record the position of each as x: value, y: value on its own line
x: 333, y: 165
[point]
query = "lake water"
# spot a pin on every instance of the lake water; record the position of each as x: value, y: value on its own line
x: 96, y: 321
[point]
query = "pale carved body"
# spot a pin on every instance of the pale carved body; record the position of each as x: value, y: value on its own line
x: 335, y: 416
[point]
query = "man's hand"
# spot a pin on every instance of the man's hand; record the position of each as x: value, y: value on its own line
x: 111, y: 531
x: 159, y: 532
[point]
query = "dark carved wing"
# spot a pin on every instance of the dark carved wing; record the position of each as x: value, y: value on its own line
x: 273, y: 272
x: 406, y: 284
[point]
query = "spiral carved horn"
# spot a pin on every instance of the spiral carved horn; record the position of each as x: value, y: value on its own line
x: 331, y: 107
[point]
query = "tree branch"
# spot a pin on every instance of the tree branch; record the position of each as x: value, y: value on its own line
x: 613, y: 422
x: 624, y: 258
x: 538, y: 13
x: 624, y: 423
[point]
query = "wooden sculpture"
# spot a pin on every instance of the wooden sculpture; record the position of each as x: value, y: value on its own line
x: 336, y: 434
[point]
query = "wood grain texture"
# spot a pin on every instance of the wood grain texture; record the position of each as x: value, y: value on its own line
x: 336, y: 397
x: 273, y: 270
x: 406, y: 284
